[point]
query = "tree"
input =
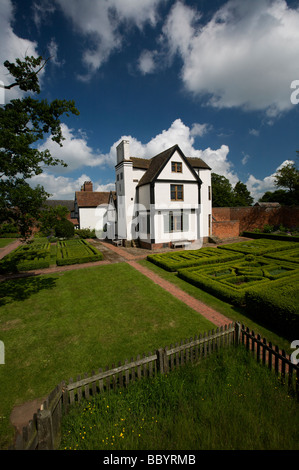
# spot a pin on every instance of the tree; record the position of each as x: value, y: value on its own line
x: 287, y: 177
x: 222, y: 191
x: 241, y: 195
x: 24, y: 122
x: 50, y: 218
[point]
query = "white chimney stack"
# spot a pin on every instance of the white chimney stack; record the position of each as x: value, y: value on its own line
x: 123, y: 151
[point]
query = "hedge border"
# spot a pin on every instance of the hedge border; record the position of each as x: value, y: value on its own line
x: 271, y: 236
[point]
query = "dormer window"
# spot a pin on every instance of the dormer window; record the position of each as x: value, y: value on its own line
x: 176, y: 167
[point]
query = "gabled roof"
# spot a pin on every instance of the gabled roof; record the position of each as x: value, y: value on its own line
x: 154, y: 166
x: 92, y: 198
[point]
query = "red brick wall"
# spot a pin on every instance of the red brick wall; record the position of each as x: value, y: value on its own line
x: 226, y: 228
x: 253, y: 217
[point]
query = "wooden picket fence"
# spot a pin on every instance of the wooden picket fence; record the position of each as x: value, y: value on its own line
x: 43, y: 431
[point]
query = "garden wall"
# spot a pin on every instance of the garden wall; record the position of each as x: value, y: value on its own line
x: 228, y: 220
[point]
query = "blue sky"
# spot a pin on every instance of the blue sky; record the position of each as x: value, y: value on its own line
x: 212, y: 76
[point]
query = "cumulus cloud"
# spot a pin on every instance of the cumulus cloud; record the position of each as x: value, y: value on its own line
x: 101, y: 21
x: 75, y: 151
x: 258, y: 187
x: 146, y: 62
x: 245, y: 56
x: 12, y: 47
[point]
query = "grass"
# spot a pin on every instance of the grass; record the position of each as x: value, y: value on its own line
x: 226, y: 402
x: 6, y: 241
x: 58, y: 326
x: 232, y: 312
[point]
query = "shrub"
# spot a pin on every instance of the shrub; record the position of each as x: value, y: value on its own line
x: 268, y: 228
x: 277, y: 306
x: 64, y: 229
x: 85, y: 233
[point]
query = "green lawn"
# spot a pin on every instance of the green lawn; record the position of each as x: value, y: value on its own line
x: 58, y: 326
x: 6, y: 241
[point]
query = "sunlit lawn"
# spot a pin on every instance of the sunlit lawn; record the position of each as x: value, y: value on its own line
x: 6, y: 241
x: 58, y: 326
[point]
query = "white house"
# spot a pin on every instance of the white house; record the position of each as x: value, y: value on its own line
x: 91, y: 208
x: 162, y: 201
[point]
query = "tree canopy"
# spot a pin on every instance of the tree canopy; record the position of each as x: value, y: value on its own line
x: 23, y: 123
x: 225, y: 195
x: 287, y: 180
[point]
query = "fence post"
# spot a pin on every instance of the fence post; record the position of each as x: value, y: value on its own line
x: 44, y: 430
x: 161, y: 361
x: 237, y: 333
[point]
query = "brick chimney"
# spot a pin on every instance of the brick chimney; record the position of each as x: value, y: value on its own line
x: 87, y: 186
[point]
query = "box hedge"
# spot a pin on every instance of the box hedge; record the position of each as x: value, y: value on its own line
x: 76, y: 252
x: 271, y: 236
x: 26, y: 258
x: 259, y: 247
x: 173, y: 261
x: 277, y: 306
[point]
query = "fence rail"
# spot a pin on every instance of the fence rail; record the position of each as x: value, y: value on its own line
x: 43, y: 431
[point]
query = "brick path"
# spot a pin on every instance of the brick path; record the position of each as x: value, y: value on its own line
x: 122, y: 254
x: 215, y: 317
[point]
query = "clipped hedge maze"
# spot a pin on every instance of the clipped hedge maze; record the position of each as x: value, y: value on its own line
x: 76, y: 251
x: 187, y: 258
x: 261, y: 275
x: 35, y: 255
x: 231, y: 281
x: 40, y: 254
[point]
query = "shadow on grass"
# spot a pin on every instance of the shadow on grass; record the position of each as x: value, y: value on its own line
x: 22, y: 289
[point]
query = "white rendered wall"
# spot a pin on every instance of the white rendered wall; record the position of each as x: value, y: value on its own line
x: 92, y: 217
x: 206, y: 204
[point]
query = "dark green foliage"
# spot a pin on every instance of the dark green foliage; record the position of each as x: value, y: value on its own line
x: 24, y: 122
x: 277, y: 307
x: 271, y: 236
x: 64, y: 229
x: 85, y: 233
x: 259, y: 246
x: 27, y: 257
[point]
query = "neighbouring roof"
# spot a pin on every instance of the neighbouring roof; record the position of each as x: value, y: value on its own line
x: 60, y: 202
x: 92, y: 198
x: 267, y: 204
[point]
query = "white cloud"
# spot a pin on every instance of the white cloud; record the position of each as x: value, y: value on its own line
x: 12, y: 47
x: 258, y: 187
x: 60, y: 187
x: 200, y: 129
x: 245, y: 56
x: 245, y: 158
x: 75, y: 151
x: 101, y: 21
x: 146, y: 62
x: 254, y: 132
x: 53, y: 51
